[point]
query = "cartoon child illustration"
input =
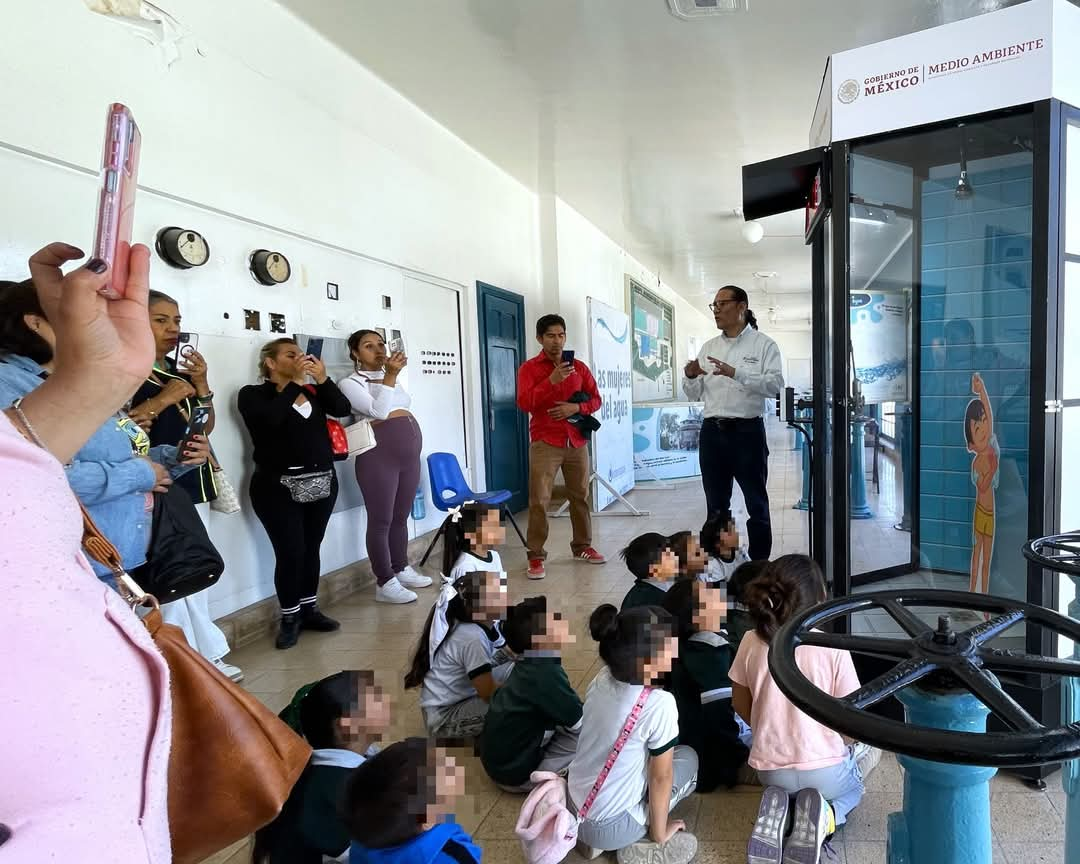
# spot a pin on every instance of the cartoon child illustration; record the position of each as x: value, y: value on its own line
x: 982, y: 442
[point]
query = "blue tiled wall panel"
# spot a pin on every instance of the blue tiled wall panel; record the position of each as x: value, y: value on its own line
x: 976, y: 277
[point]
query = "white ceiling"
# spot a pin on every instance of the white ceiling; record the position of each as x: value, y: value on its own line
x: 639, y: 120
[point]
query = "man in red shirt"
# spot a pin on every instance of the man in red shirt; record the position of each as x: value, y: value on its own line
x: 549, y: 390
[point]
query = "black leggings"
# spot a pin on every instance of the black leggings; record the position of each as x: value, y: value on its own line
x: 296, y: 533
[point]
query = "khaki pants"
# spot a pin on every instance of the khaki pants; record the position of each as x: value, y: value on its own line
x: 544, y: 463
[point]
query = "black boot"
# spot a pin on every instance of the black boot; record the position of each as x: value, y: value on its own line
x: 289, y: 632
x: 312, y: 619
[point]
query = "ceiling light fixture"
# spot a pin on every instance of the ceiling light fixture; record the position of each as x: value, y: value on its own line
x: 752, y: 232
x: 691, y: 9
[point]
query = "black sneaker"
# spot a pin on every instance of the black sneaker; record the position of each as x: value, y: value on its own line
x: 313, y: 619
x: 289, y: 632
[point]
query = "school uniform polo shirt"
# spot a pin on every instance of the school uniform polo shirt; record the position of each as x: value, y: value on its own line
x: 702, y: 690
x: 646, y: 592
x: 536, y: 698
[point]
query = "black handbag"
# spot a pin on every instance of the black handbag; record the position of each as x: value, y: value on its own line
x: 180, y: 560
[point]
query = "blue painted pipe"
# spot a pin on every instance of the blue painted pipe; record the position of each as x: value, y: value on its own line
x: 804, y: 502
x: 860, y: 509
x: 1070, y: 771
x: 946, y: 816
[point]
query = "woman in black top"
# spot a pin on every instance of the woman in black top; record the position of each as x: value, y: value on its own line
x: 294, y: 485
x: 162, y: 406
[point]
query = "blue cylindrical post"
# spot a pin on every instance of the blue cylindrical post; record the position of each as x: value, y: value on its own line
x: 1070, y: 771
x: 860, y: 509
x: 903, y: 431
x: 804, y: 502
x: 946, y: 817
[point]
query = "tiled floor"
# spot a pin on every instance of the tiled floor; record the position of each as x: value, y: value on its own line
x: 1028, y: 825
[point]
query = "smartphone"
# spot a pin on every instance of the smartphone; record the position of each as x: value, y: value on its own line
x: 196, y: 426
x: 116, y: 204
x: 568, y: 357
x: 397, y: 346
x: 185, y: 344
x: 314, y: 347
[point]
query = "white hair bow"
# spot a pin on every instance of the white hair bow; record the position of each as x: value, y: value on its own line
x: 455, y: 512
x: 439, y: 625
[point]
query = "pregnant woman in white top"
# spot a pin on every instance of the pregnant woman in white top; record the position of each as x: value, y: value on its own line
x: 389, y: 474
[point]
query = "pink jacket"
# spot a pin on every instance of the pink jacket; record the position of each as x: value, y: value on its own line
x: 86, y: 715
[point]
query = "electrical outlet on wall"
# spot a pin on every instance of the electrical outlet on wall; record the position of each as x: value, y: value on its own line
x: 252, y: 319
x: 277, y: 322
x: 386, y: 302
x: 331, y: 291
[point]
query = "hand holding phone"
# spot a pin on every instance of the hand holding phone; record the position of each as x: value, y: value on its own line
x: 568, y: 357
x: 200, y: 417
x: 397, y: 346
x: 116, y: 202
x: 315, y: 347
x: 186, y: 343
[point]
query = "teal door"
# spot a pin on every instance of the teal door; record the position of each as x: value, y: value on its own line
x: 506, y: 429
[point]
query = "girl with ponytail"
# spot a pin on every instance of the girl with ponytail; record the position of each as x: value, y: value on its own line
x: 628, y: 807
x: 795, y: 757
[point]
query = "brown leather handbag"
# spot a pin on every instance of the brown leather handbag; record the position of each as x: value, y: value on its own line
x: 233, y: 763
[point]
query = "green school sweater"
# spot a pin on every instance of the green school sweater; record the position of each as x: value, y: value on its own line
x: 701, y: 687
x: 308, y: 826
x: 535, y: 699
x: 643, y: 594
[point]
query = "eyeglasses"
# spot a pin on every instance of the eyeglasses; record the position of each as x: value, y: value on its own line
x: 720, y: 304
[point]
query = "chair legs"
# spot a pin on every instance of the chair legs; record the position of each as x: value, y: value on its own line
x: 513, y: 522
x: 434, y: 540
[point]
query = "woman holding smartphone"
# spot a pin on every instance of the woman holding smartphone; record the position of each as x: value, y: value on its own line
x: 118, y: 469
x: 164, y: 406
x: 389, y: 474
x: 294, y: 485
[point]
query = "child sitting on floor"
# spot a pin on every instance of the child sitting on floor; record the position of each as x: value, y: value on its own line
x: 720, y: 539
x: 399, y: 805
x: 739, y: 620
x: 472, y: 533
x: 654, y: 562
x: 693, y: 559
x: 700, y: 684
x: 534, y: 718
x: 651, y: 773
x: 793, y: 754
x: 455, y: 660
x: 342, y: 717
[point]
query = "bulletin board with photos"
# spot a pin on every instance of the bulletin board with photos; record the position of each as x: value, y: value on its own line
x: 653, y: 354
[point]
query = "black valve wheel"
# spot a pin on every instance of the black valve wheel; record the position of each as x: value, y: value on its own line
x: 941, y: 659
x: 1060, y: 553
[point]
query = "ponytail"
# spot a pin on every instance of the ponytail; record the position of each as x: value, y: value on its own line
x: 628, y: 640
x: 455, y: 605
x: 460, y: 521
x: 788, y: 586
x: 751, y: 319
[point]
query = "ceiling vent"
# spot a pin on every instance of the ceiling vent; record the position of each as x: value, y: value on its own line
x: 688, y: 9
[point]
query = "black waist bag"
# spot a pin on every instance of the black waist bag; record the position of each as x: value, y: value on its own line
x: 180, y: 560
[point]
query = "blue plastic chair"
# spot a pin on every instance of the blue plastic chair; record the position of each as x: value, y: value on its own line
x: 450, y: 489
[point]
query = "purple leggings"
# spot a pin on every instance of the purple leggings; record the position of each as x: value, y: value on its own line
x: 388, y: 476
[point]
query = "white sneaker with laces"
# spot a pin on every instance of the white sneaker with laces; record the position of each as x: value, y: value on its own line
x: 233, y: 673
x: 393, y: 592
x: 410, y: 578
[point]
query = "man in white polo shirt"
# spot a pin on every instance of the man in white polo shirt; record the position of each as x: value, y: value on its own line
x: 734, y: 374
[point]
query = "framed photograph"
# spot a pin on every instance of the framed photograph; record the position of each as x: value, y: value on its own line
x: 653, y: 353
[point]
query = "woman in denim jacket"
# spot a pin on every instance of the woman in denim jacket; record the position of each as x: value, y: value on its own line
x: 116, y: 471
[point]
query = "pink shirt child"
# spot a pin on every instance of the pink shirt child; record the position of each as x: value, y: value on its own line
x: 784, y: 737
x: 86, y: 718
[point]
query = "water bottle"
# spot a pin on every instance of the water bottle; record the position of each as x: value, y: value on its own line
x: 419, y: 505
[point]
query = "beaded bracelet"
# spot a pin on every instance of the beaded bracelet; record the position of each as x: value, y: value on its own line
x: 16, y: 406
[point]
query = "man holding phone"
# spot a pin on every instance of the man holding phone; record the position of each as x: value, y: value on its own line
x: 552, y: 387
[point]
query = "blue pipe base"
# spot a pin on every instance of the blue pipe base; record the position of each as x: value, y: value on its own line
x: 946, y: 816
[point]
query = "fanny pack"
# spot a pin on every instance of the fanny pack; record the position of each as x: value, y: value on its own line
x: 305, y: 488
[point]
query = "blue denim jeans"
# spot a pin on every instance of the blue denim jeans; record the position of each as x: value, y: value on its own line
x: 840, y: 784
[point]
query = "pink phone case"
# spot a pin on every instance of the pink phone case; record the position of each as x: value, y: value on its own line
x: 116, y: 208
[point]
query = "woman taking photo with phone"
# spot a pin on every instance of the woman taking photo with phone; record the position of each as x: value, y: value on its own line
x: 164, y: 406
x: 294, y: 485
x: 389, y: 474
x: 118, y: 469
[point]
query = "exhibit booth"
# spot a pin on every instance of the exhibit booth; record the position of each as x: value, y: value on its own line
x: 942, y: 200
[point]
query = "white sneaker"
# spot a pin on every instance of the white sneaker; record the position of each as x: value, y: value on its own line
x: 393, y: 592
x: 410, y: 578
x: 680, y: 849
x: 233, y: 673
